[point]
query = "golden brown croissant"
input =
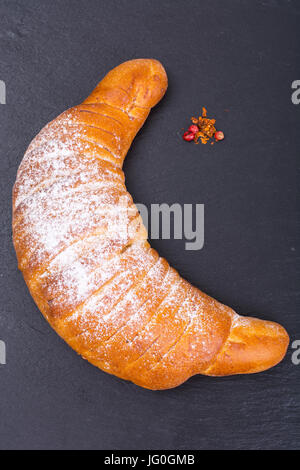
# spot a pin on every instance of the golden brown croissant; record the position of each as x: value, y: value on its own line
x: 83, y: 251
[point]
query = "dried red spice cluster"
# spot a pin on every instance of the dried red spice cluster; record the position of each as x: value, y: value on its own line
x: 203, y: 129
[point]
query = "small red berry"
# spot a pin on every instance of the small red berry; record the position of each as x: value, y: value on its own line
x: 193, y: 128
x: 188, y: 136
x: 219, y: 135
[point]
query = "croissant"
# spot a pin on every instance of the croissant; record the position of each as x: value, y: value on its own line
x: 84, y: 254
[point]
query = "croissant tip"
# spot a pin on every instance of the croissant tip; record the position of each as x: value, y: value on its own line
x: 253, y: 346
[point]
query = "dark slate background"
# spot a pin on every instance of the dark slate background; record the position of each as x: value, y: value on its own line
x: 238, y: 58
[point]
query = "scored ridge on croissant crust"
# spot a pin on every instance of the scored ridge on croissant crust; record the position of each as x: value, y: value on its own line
x: 83, y: 251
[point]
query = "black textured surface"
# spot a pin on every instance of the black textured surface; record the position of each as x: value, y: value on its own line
x: 239, y: 56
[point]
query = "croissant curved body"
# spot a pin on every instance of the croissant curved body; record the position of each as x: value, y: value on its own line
x: 84, y: 254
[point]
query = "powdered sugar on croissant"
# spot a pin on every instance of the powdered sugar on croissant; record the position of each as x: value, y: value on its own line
x: 83, y: 250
